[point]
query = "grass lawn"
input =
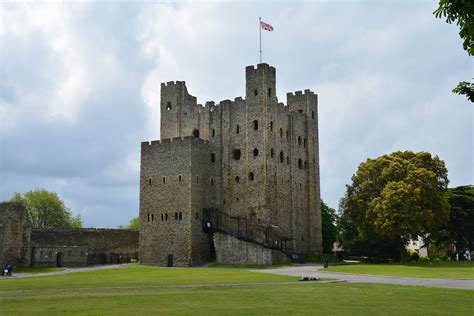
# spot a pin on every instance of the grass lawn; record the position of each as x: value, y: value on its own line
x: 36, y: 270
x: 445, y: 269
x: 247, y: 266
x: 306, y: 298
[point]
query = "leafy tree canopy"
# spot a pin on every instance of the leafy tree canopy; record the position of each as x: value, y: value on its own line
x: 329, y: 229
x: 460, y: 12
x: 46, y: 209
x: 460, y: 227
x: 134, y: 224
x: 398, y: 196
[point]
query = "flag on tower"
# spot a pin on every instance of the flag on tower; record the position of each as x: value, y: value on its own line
x: 266, y: 26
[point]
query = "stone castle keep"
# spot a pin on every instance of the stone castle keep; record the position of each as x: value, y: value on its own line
x: 236, y: 181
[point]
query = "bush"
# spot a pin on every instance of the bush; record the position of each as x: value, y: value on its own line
x: 413, y: 255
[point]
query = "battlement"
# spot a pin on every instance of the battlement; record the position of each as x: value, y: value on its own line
x: 173, y: 84
x: 154, y: 143
x: 300, y: 93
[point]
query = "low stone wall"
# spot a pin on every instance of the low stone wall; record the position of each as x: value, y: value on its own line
x: 231, y: 250
x: 82, y: 246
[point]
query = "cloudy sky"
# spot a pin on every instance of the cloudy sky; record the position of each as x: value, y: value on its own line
x: 80, y: 84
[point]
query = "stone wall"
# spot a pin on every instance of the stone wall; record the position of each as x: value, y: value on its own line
x: 82, y: 246
x: 14, y: 234
x: 230, y: 250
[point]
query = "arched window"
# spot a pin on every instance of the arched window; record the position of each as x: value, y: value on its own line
x: 164, y: 179
x: 282, y: 156
x: 149, y: 181
x: 251, y: 176
x: 272, y: 152
x: 269, y: 92
x: 168, y: 106
x: 166, y: 216
x: 175, y: 216
x: 197, y: 179
x: 195, y: 132
x: 180, y: 178
x: 287, y: 160
x: 213, y: 157
x: 255, y: 125
x: 271, y: 126
x: 152, y: 217
x: 213, y: 132
x: 312, y: 115
x: 255, y: 92
x: 236, y: 154
x: 281, y: 132
x: 286, y: 134
x: 299, y: 140
x: 306, y: 164
x: 300, y: 164
x: 212, y: 181
x: 237, y: 129
x: 304, y: 143
x: 237, y: 179
x: 162, y: 217
x: 255, y: 152
x: 180, y: 215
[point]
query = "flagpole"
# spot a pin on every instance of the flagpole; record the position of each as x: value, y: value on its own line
x: 260, y: 29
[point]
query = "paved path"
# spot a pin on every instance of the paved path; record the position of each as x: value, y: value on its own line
x: 67, y: 271
x: 315, y: 271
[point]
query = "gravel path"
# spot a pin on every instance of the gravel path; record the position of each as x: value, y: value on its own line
x: 316, y: 271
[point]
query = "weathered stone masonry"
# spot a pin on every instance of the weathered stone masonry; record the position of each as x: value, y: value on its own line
x: 252, y: 158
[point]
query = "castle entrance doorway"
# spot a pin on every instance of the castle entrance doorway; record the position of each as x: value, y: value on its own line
x: 170, y: 260
x: 59, y: 259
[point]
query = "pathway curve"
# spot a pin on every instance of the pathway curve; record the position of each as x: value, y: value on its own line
x: 315, y: 271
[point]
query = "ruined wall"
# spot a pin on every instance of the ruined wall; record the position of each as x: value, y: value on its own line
x: 82, y: 246
x: 15, y: 231
x: 231, y: 250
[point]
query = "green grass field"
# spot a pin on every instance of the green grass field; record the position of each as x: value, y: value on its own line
x: 89, y: 293
x: 444, y: 269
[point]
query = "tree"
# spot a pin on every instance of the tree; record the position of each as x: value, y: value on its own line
x: 398, y: 197
x: 134, y: 224
x: 46, y: 209
x: 461, y: 12
x: 329, y: 229
x: 460, y: 227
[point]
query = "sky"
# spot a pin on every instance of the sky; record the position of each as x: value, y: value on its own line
x: 80, y: 86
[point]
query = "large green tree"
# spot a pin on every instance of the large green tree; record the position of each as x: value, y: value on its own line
x: 460, y: 227
x: 46, y: 209
x: 329, y: 229
x: 398, y: 197
x: 462, y: 13
x: 133, y: 224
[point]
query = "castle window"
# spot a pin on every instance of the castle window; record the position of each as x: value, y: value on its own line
x: 237, y: 179
x: 197, y: 215
x: 255, y: 92
x: 304, y: 143
x: 237, y: 129
x: 162, y: 217
x: 300, y: 111
x: 166, y: 216
x: 255, y: 125
x: 272, y: 152
x: 312, y: 115
x: 223, y: 201
x: 180, y: 178
x: 251, y: 176
x: 287, y: 160
x: 168, y: 106
x: 271, y: 126
x: 196, y: 133
x: 212, y: 181
x: 281, y: 132
x: 300, y: 163
x: 255, y: 152
x: 299, y: 140
x: 213, y: 157
x: 164, y: 179
x: 236, y: 154
x: 197, y: 179
x: 148, y: 217
x: 213, y: 132
x: 286, y: 134
x: 282, y: 156
x: 180, y: 215
x: 237, y: 199
x: 149, y: 181
x: 175, y: 216
x: 269, y: 92
x: 152, y: 217
x: 305, y: 164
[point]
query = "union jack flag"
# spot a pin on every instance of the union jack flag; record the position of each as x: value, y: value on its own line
x: 266, y: 26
